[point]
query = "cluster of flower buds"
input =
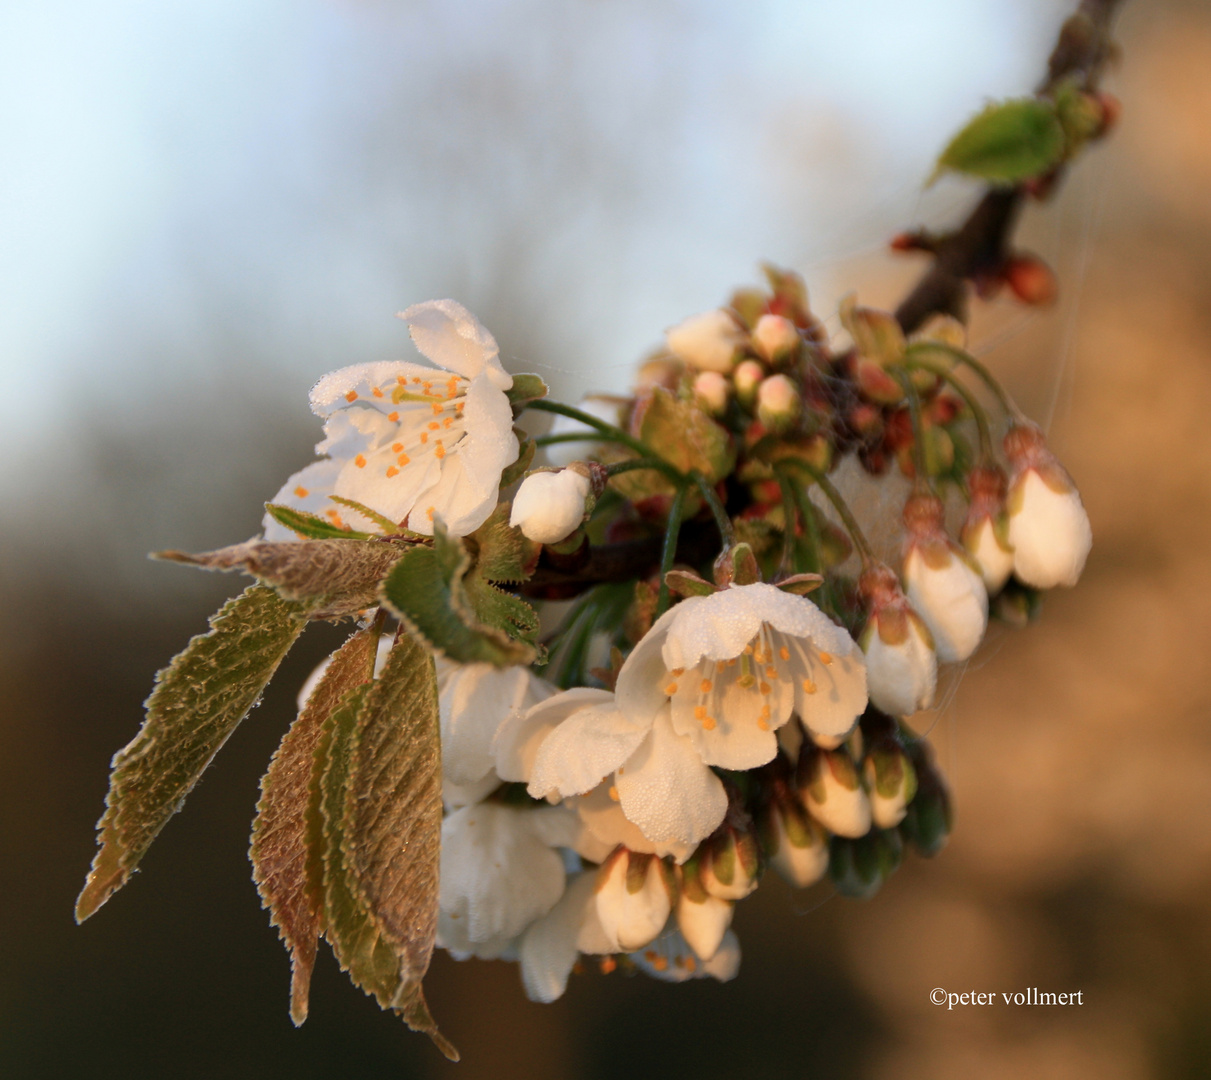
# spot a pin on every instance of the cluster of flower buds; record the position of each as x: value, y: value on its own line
x: 730, y: 689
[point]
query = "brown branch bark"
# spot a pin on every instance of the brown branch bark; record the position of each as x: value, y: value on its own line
x: 980, y: 245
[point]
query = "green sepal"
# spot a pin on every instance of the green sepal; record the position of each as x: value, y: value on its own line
x: 684, y: 583
x: 198, y: 701
x: 458, y: 613
x: 525, y: 455
x: 525, y: 388
x: 877, y: 335
x: 311, y: 527
x: 502, y: 552
x: 1010, y: 141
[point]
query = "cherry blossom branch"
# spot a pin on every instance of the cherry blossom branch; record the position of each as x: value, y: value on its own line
x: 979, y: 246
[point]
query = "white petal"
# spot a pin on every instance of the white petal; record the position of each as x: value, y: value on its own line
x: 951, y: 600
x: 640, y: 689
x: 604, y: 819
x: 1050, y: 533
x: 496, y: 872
x: 549, y: 947
x: 475, y: 700
x: 452, y: 936
x: 632, y: 919
x: 589, y: 745
x: 900, y: 678
x: 317, y: 481
x: 519, y: 737
x: 667, y: 790
x: 736, y: 741
x: 448, y: 334
x: 725, y: 964
x: 994, y: 560
x: 704, y: 923
x: 456, y: 796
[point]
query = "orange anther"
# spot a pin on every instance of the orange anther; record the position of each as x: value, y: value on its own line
x: 671, y: 689
x: 429, y: 513
x: 403, y: 459
x: 784, y: 652
x: 614, y: 793
x: 360, y: 461
x: 301, y: 492
x: 825, y: 658
x: 439, y: 450
x: 709, y: 723
x: 392, y: 470
x: 351, y: 396
x: 705, y: 686
x: 424, y: 436
x: 377, y: 392
x: 434, y: 425
x: 765, y: 688
x: 809, y: 687
x: 699, y: 712
x: 397, y: 448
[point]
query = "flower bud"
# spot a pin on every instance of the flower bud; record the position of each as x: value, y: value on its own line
x: 550, y: 506
x: 778, y: 403
x: 985, y: 531
x: 634, y: 898
x: 1031, y: 280
x: 1048, y: 526
x: 891, y: 781
x: 708, y: 341
x: 940, y: 582
x: 833, y: 792
x: 901, y: 665
x: 703, y: 919
x: 775, y: 337
x: 712, y: 389
x: 746, y: 378
x: 927, y: 823
x: 797, y: 847
x: 729, y: 863
x: 859, y: 867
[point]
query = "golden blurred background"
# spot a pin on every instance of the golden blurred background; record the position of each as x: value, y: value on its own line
x: 583, y: 175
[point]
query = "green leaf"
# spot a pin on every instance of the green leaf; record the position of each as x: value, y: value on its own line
x: 198, y: 701
x: 525, y: 388
x: 501, y: 551
x: 457, y: 615
x: 309, y: 526
x: 333, y: 577
x: 357, y: 939
x: 525, y: 455
x: 291, y: 890
x: 1008, y: 142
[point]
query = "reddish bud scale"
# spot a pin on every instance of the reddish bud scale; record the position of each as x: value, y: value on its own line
x: 986, y: 485
x: 1112, y: 109
x: 1031, y: 280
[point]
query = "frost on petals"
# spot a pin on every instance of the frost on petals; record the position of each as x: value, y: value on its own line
x: 736, y: 665
x: 413, y: 443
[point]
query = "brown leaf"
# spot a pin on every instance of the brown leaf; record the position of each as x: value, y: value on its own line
x: 279, y: 851
x: 337, y: 577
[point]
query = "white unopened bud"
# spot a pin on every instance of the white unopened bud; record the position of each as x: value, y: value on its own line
x: 892, y: 783
x: 709, y: 341
x: 1048, y: 526
x: 834, y: 794
x: 712, y: 389
x: 703, y: 922
x: 729, y: 864
x: 549, y: 506
x: 634, y: 898
x: 798, y: 848
x: 775, y: 337
x: 901, y: 665
x: 778, y: 403
x: 985, y: 532
x: 940, y: 582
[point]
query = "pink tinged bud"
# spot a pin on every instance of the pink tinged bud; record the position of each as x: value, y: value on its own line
x: 941, y: 584
x: 746, y: 378
x: 775, y: 337
x: 778, y: 403
x: 704, y: 922
x: 901, y: 665
x: 712, y: 390
x: 986, y: 531
x: 798, y: 847
x: 1048, y: 526
x: 634, y: 898
x: 549, y: 506
x: 834, y: 794
x: 709, y: 341
x: 892, y: 783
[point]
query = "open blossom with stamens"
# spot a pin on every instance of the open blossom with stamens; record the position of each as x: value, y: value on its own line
x: 736, y: 665
x: 1048, y: 526
x: 412, y: 443
x: 941, y: 583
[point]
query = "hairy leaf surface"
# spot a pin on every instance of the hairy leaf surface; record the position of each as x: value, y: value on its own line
x: 198, y: 701
x: 335, y: 577
x: 279, y: 850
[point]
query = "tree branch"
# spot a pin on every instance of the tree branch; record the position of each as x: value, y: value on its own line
x: 980, y: 245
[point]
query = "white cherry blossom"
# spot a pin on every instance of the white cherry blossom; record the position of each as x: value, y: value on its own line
x: 736, y: 665
x: 670, y: 959
x: 412, y: 443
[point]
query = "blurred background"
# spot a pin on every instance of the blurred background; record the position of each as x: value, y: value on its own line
x: 206, y: 205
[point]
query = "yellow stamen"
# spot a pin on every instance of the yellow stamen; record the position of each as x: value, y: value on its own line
x: 699, y: 712
x: 765, y: 688
x: 392, y: 470
x: 403, y: 459
x: 614, y: 793
x: 447, y: 421
x: 671, y: 689
x: 709, y: 723
x: 825, y: 658
x: 360, y: 461
x: 397, y: 447
x: 351, y: 396
x: 439, y: 450
x: 705, y: 686
x: 809, y: 687
x: 771, y: 672
x: 677, y: 672
x: 402, y: 380
x: 434, y: 425
x: 437, y: 408
x: 608, y: 964
x: 691, y: 964
x: 424, y: 436
x: 377, y: 392
x: 393, y: 417
x: 660, y: 963
x: 429, y: 513
x: 784, y: 652
x: 301, y: 492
